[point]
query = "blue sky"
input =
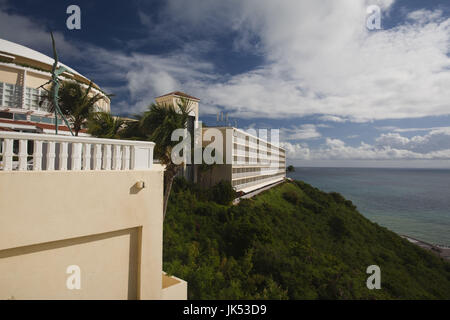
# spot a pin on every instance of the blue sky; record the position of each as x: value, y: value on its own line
x: 341, y: 95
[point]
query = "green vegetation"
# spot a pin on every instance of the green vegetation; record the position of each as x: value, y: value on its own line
x: 104, y: 125
x: 156, y: 124
x: 75, y: 102
x: 290, y: 169
x: 291, y: 242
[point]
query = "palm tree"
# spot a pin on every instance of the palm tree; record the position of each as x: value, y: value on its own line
x: 157, y: 124
x: 76, y: 103
x: 105, y: 125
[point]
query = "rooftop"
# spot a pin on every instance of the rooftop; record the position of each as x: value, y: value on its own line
x: 35, y: 125
x: 179, y: 94
x: 11, y: 48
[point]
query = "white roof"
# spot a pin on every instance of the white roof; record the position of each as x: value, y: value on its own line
x: 19, y: 50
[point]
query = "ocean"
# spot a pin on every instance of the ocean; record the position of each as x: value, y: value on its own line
x: 413, y: 202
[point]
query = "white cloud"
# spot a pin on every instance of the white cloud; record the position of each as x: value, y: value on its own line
x: 318, y: 59
x: 331, y: 118
x: 437, y: 139
x: 392, y: 146
x: 32, y: 34
x: 302, y: 132
x: 296, y: 151
x: 435, y: 129
x: 343, y: 69
x: 423, y: 16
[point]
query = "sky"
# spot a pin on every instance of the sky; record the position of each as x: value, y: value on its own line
x: 340, y: 93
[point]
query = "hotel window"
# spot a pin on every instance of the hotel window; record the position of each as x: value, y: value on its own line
x: 10, y: 95
x: 6, y: 115
x: 33, y: 97
x: 47, y: 120
x: 20, y: 116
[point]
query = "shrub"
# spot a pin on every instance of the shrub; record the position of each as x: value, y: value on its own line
x: 337, y: 226
x: 291, y: 197
x: 222, y: 193
x: 338, y: 198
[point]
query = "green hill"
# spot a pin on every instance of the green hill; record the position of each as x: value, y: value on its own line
x: 291, y: 242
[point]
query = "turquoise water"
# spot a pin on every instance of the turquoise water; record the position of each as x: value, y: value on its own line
x: 414, y: 202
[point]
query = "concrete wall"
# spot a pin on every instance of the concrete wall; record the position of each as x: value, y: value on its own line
x: 173, y: 288
x: 214, y: 174
x: 175, y: 100
x: 97, y: 220
x: 12, y: 74
x: 35, y: 80
x: 9, y: 75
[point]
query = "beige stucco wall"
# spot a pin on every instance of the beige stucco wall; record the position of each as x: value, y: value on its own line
x: 9, y: 75
x: 175, y: 100
x: 173, y: 288
x: 35, y: 80
x: 13, y: 75
x: 217, y: 172
x: 97, y: 220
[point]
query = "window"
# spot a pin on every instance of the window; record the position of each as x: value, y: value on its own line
x: 35, y: 118
x: 47, y: 120
x: 32, y: 99
x: 6, y: 115
x: 20, y: 116
x: 11, y: 95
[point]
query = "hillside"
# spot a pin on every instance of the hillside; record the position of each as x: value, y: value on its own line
x: 291, y: 242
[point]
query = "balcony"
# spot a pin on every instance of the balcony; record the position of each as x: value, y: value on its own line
x: 96, y: 204
x: 37, y: 152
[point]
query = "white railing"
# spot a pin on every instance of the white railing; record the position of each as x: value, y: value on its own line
x: 261, y: 172
x: 35, y: 152
x: 268, y: 180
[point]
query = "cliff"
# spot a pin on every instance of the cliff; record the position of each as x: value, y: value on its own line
x: 291, y: 242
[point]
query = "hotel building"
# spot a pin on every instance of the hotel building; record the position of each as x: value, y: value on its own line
x: 250, y: 162
x: 74, y: 207
x: 22, y: 72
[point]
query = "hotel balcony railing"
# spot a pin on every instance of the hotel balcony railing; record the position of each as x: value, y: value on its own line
x: 241, y: 175
x: 36, y: 152
x: 259, y: 181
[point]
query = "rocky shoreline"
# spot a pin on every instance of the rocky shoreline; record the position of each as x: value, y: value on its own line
x: 440, y: 250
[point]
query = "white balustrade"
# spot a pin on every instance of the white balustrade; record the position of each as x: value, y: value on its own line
x: 51, y: 155
x: 23, y: 154
x: 86, y: 156
x: 37, y: 156
x: 57, y: 152
x: 97, y: 157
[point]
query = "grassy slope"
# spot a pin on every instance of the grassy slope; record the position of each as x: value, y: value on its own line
x: 292, y: 242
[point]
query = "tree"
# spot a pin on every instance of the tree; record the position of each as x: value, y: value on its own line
x: 104, y: 125
x: 157, y: 124
x: 76, y: 103
x: 290, y: 169
x: 223, y: 193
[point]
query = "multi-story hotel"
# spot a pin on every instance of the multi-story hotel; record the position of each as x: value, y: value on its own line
x: 22, y: 72
x: 250, y: 162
